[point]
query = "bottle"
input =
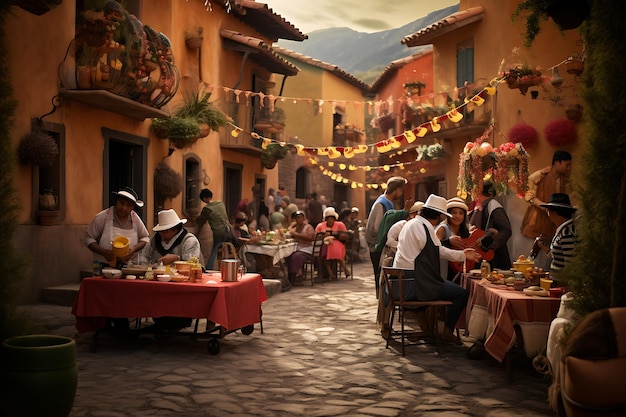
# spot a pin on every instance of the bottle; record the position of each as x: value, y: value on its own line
x: 485, y: 269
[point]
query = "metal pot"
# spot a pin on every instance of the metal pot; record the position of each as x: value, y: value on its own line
x: 229, y: 269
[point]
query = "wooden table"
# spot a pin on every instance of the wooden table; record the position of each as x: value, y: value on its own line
x: 232, y: 305
x: 495, y: 310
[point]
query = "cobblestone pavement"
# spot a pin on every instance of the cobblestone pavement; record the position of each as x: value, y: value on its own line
x: 321, y: 354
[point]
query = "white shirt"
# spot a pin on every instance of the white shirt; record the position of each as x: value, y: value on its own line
x: 393, y: 233
x: 412, y: 240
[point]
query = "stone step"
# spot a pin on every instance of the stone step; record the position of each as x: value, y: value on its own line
x: 64, y: 294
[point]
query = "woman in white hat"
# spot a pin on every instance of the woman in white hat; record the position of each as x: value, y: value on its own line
x: 117, y: 220
x: 172, y: 242
x: 333, y: 248
x: 451, y: 232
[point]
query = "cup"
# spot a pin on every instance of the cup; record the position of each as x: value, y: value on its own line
x: 242, y: 271
x: 545, y: 283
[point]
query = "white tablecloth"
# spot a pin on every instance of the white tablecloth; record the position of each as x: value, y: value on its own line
x: 277, y: 252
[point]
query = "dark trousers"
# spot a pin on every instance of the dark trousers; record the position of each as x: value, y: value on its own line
x: 375, y: 257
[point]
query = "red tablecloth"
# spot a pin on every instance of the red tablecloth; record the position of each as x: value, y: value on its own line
x: 506, y: 308
x: 232, y: 305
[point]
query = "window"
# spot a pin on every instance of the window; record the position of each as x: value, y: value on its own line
x: 465, y: 63
x: 51, y: 178
x: 302, y: 182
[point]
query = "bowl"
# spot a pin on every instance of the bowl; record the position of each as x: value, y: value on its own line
x: 111, y: 273
x: 131, y: 276
x: 183, y: 267
x: 164, y: 278
x: 120, y: 246
x: 180, y: 278
x: 522, y: 266
x: 556, y: 292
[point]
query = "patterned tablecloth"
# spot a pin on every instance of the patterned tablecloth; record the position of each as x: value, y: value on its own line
x: 495, y: 310
x: 276, y: 252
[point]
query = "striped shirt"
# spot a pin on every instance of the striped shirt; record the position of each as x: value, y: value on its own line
x: 563, y: 245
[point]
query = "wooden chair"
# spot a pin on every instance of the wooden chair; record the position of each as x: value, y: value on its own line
x: 392, y: 283
x: 226, y: 250
x: 313, y: 262
x: 348, y: 259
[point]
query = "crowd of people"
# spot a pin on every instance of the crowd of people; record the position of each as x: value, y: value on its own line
x: 432, y: 241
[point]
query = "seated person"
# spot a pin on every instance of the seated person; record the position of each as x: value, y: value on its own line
x: 333, y: 249
x: 171, y: 243
x: 302, y: 232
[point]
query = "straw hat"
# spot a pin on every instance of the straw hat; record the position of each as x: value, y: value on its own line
x: 456, y: 202
x: 129, y: 194
x: 168, y: 219
x: 330, y: 212
x: 437, y: 203
x: 417, y: 206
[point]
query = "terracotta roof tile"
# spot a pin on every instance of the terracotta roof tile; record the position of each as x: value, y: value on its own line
x: 394, y: 66
x: 263, y: 19
x: 263, y: 55
x: 334, y: 69
x: 443, y: 26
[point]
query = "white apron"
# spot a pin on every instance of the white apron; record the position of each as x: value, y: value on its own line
x: 110, y: 232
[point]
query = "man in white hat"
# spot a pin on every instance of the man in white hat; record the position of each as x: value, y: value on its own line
x: 418, y: 254
x: 117, y: 220
x: 172, y: 242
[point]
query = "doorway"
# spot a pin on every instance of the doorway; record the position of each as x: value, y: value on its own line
x: 232, y: 186
x: 125, y: 162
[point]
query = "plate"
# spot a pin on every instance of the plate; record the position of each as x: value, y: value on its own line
x: 537, y: 293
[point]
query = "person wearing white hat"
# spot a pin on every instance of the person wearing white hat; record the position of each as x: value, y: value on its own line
x: 172, y: 242
x: 333, y: 248
x: 117, y: 220
x: 451, y: 233
x: 419, y: 251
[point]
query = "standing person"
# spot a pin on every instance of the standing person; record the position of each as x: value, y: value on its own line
x: 419, y: 252
x: 271, y: 200
x: 304, y: 234
x: 384, y: 202
x: 214, y: 213
x: 264, y: 218
x: 288, y: 209
x: 333, y: 249
x: 560, y: 211
x: 541, y: 185
x: 171, y: 243
x: 314, y: 210
x: 117, y: 220
x: 451, y: 233
x: 490, y: 216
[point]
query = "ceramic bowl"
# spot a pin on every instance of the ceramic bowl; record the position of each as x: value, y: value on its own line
x: 164, y: 278
x: 131, y: 276
x: 111, y: 273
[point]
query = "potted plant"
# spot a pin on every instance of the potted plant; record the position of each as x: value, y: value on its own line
x: 574, y: 113
x: 272, y: 154
x: 37, y: 148
x: 560, y: 132
x: 566, y: 14
x: 194, y: 38
x: 523, y: 133
x: 181, y: 131
x: 574, y: 65
x: 522, y: 77
x: 196, y: 105
x: 167, y: 182
x: 48, y: 211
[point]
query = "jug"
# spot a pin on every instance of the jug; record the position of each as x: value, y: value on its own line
x: 229, y: 269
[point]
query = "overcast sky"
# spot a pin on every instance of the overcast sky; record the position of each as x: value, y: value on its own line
x: 360, y: 15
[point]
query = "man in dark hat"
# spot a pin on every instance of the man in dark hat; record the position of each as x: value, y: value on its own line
x: 560, y: 212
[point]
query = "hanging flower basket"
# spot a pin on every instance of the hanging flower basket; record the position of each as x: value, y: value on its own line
x: 37, y: 148
x: 522, y: 78
x: 560, y: 132
x: 574, y: 113
x: 524, y: 134
x: 574, y: 65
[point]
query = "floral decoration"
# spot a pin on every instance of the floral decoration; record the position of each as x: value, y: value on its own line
x: 505, y: 165
x: 523, y: 77
x: 560, y: 132
x: 524, y: 134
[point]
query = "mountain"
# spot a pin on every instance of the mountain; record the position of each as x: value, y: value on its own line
x: 364, y: 55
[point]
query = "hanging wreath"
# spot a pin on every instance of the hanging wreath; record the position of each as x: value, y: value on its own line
x: 167, y: 182
x: 560, y: 132
x: 524, y: 134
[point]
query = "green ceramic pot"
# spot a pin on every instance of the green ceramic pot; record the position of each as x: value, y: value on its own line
x: 38, y: 376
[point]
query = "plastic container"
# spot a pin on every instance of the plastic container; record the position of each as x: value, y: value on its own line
x: 121, y: 246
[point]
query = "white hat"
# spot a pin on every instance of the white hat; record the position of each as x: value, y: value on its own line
x: 355, y: 209
x: 417, y: 206
x: 167, y: 220
x: 456, y: 202
x: 330, y: 212
x: 437, y: 203
x: 130, y: 194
